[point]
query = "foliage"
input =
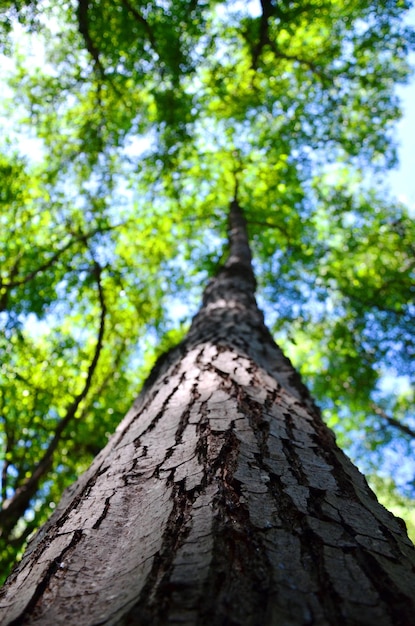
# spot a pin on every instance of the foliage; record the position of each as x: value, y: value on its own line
x: 394, y: 501
x: 128, y: 128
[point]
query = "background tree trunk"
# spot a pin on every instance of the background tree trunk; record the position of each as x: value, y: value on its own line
x: 222, y: 498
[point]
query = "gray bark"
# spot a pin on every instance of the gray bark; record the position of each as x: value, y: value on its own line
x: 222, y: 499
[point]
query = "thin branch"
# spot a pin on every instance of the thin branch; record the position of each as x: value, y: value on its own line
x: 16, y: 506
x: 71, y: 411
x: 141, y: 20
x: 267, y: 11
x: 315, y: 69
x: 47, y: 264
x: 98, y: 391
x: 270, y: 225
x: 83, y: 27
x: 392, y: 421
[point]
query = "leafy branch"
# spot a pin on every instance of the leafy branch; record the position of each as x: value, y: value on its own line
x: 84, y: 237
x: 141, y: 20
x: 264, y: 39
x: 83, y: 26
x: 267, y: 224
x: 15, y: 507
x: 267, y: 11
x: 392, y: 421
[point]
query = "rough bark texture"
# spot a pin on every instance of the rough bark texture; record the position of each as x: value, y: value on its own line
x: 222, y: 499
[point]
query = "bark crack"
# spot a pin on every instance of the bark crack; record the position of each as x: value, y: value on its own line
x: 54, y: 566
x: 153, y: 602
x: 103, y: 515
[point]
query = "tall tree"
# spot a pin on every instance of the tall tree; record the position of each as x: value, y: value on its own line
x: 221, y: 499
x: 140, y: 117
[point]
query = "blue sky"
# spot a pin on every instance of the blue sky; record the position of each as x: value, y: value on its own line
x: 403, y: 179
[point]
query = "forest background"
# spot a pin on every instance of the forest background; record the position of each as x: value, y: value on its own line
x: 113, y: 211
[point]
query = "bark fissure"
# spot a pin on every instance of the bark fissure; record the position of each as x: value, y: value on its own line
x: 55, y: 566
x: 289, y: 517
x: 103, y: 515
x: 153, y: 602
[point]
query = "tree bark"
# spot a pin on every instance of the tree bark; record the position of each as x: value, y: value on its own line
x: 222, y: 499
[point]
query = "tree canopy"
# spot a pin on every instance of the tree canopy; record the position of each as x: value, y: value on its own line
x: 126, y: 128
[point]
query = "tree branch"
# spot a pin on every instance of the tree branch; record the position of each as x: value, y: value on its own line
x: 47, y: 264
x: 313, y: 67
x: 270, y: 225
x: 83, y: 27
x: 392, y: 421
x: 267, y: 11
x: 141, y: 20
x: 14, y: 508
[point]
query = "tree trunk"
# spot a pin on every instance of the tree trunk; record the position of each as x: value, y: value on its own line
x: 222, y: 499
